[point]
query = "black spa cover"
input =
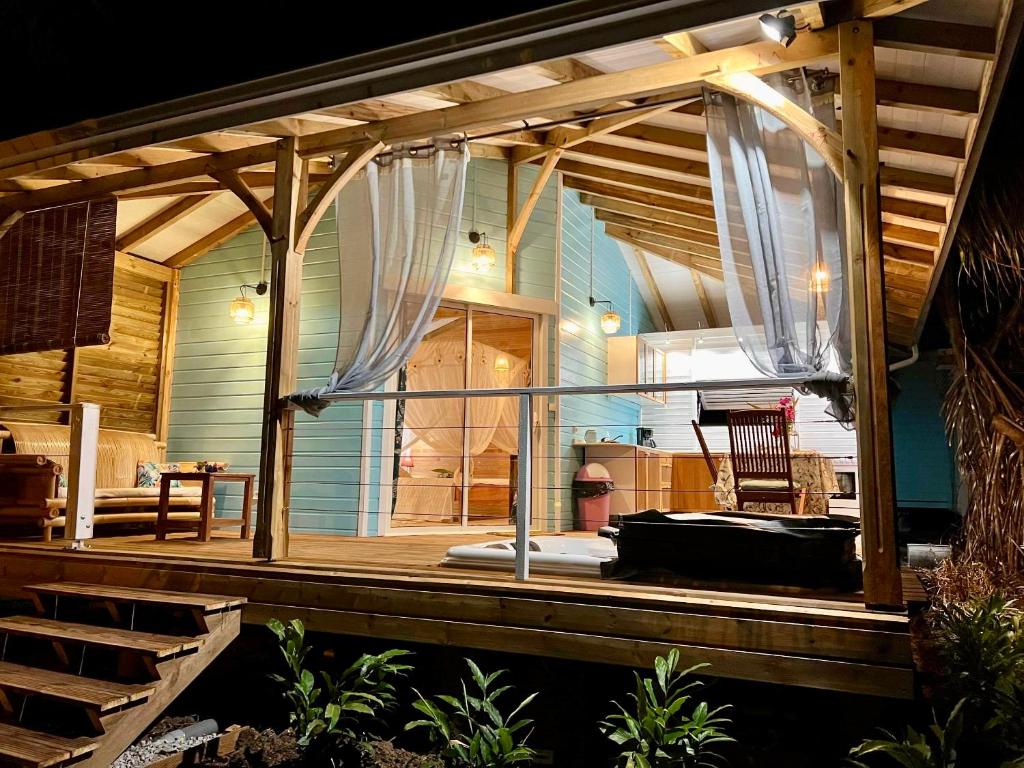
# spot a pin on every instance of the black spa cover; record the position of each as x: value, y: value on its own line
x: 736, y: 546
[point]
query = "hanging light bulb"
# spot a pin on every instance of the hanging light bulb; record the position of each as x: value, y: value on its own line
x: 611, y: 322
x: 242, y: 310
x: 820, y: 278
x: 483, y: 258
x: 501, y: 364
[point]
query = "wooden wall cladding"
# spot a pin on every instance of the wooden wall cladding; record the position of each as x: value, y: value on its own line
x: 122, y: 377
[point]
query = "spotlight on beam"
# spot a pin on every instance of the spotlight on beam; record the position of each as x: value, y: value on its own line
x: 779, y: 27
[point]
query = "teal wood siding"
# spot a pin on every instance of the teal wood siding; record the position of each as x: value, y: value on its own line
x: 584, y: 354
x: 925, y: 473
x: 217, y: 392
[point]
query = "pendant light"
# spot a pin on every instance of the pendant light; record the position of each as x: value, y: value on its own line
x: 610, y: 320
x: 820, y: 278
x: 501, y: 364
x: 483, y: 257
x: 242, y: 309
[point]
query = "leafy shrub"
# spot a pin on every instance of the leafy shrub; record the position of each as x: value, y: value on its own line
x: 934, y: 749
x: 340, y: 708
x: 657, y: 732
x: 470, y: 731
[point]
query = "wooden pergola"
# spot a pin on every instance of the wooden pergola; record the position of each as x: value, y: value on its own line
x: 627, y: 137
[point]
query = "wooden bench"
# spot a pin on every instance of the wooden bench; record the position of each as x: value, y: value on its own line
x: 33, y: 459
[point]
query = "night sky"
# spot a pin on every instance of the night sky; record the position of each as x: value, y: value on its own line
x: 69, y: 60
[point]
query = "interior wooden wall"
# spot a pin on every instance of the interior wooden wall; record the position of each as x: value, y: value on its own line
x: 124, y: 377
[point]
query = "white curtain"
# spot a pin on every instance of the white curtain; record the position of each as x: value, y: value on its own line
x: 398, y: 222
x: 780, y: 231
x: 493, y: 421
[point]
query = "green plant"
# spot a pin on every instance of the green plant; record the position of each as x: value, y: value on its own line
x: 936, y: 748
x: 364, y: 690
x: 657, y: 732
x: 981, y: 643
x: 473, y: 733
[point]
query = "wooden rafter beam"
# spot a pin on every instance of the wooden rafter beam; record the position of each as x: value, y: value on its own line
x: 652, y: 286
x: 707, y: 266
x: 688, y: 240
x: 750, y: 88
x: 705, y: 302
x: 943, y: 37
x: 8, y: 221
x: 875, y: 9
x: 926, y: 98
x: 698, y: 194
x: 234, y: 181
x: 164, y: 218
x: 681, y: 45
x: 353, y: 162
x: 601, y: 195
x: 651, y: 213
x: 211, y: 240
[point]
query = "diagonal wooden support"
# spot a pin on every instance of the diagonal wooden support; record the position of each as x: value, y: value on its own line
x: 518, y: 229
x: 749, y: 87
x: 233, y: 181
x: 705, y: 301
x: 652, y: 286
x: 354, y: 161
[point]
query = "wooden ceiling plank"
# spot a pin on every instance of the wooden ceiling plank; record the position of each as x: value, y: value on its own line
x: 211, y: 240
x: 709, y: 267
x: 875, y: 9
x: 693, y: 241
x: 163, y: 219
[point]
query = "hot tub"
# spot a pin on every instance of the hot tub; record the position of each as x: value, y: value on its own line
x: 561, y: 555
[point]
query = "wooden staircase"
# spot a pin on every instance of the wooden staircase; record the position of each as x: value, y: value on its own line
x: 96, y: 665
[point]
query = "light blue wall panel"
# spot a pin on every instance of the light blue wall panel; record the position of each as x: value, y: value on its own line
x: 584, y: 353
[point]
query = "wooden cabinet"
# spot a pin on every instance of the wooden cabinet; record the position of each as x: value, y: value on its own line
x: 642, y: 476
x: 691, y: 483
x: 631, y: 360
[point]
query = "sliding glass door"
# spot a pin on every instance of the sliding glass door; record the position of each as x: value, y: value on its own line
x: 456, y: 462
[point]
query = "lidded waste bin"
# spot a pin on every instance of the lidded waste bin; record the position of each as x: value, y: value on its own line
x: 591, y: 489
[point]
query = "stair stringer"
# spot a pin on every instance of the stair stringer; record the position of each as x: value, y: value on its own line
x: 175, y: 676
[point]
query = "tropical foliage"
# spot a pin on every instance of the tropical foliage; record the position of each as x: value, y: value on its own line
x: 470, y: 731
x: 659, y: 729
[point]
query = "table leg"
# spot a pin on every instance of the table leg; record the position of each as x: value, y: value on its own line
x: 246, y: 507
x: 206, y: 509
x: 161, y: 515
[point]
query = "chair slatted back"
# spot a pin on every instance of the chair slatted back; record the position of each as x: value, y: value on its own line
x: 759, y: 441
x: 712, y: 469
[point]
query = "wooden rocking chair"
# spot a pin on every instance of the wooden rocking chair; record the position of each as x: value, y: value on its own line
x: 762, y: 466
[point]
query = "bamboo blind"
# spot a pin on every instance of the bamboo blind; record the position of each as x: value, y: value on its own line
x: 56, y: 278
x: 122, y: 376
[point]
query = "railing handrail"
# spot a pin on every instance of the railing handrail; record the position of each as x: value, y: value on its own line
x: 583, y: 389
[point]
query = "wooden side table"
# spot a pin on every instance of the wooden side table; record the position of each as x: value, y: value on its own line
x: 207, y: 522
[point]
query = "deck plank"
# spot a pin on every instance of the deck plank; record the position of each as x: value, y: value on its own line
x: 148, y: 643
x: 42, y: 750
x: 143, y: 596
x: 101, y: 695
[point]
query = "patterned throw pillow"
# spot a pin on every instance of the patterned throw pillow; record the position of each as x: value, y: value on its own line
x: 148, y: 474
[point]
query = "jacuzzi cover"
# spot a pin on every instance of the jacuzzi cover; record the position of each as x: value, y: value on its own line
x: 769, y: 549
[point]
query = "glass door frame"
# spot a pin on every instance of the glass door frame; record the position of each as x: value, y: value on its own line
x: 538, y: 371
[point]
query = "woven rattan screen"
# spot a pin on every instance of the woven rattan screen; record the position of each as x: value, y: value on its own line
x: 57, y: 278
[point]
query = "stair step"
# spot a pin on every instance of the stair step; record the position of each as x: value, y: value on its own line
x: 158, y: 646
x: 101, y: 695
x: 37, y: 749
x: 206, y: 603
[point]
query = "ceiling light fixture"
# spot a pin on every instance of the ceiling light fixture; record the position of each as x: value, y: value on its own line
x: 820, y: 279
x: 484, y: 257
x: 780, y: 27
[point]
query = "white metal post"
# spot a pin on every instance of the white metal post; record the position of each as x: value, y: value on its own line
x: 81, y: 474
x: 524, y: 491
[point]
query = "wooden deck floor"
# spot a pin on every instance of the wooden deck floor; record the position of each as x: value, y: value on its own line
x: 395, y: 588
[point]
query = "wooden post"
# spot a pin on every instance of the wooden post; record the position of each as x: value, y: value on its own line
x: 882, y: 586
x: 271, y: 540
x: 512, y: 207
x: 85, y: 432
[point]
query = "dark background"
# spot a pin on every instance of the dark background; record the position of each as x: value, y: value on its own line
x: 69, y: 60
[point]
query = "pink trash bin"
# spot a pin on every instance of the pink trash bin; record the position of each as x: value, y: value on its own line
x: 592, y: 488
